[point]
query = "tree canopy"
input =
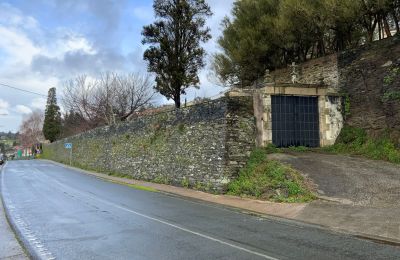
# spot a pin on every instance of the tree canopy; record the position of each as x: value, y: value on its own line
x: 267, y: 34
x: 174, y: 53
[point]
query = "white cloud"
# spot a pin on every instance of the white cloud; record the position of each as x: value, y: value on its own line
x: 144, y: 13
x: 11, y: 16
x: 64, y: 41
x: 19, y: 49
x: 38, y: 103
x: 23, y: 109
x: 4, y: 105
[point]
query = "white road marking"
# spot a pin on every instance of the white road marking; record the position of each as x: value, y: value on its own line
x: 186, y: 230
x: 162, y: 222
x: 167, y: 223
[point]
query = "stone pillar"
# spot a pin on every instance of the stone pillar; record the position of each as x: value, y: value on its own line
x: 323, y: 127
x: 331, y: 119
x: 268, y: 119
x: 263, y: 116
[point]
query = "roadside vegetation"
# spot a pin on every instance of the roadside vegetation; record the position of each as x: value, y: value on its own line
x: 270, y: 180
x: 355, y: 141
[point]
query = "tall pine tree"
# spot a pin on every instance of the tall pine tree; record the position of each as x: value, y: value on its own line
x: 52, y: 117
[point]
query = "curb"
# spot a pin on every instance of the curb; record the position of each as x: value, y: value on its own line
x: 27, y: 247
x: 359, y: 235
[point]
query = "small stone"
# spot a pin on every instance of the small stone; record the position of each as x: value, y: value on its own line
x: 387, y: 64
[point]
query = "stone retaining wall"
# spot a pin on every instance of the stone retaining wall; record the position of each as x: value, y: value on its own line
x: 370, y: 78
x: 319, y: 71
x: 202, y: 146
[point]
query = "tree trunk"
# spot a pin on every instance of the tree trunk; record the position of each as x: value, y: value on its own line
x: 396, y: 21
x: 379, y: 29
x: 371, y: 30
x: 387, y: 27
x: 177, y: 100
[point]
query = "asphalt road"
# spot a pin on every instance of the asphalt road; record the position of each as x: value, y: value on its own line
x: 64, y: 214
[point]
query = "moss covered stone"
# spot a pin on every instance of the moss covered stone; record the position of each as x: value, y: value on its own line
x: 204, y: 145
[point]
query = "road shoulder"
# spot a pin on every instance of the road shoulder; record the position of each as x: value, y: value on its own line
x: 10, y: 248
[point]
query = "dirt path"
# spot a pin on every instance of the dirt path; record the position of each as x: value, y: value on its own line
x: 355, y: 180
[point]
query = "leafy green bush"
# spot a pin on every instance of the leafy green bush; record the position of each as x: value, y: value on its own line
x: 352, y: 136
x: 270, y: 180
x: 391, y: 95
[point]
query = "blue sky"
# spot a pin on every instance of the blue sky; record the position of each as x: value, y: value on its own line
x: 46, y: 42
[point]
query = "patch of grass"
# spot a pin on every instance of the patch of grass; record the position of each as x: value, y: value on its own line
x: 270, y: 148
x: 356, y: 141
x: 270, y: 180
x: 299, y: 148
x: 135, y: 186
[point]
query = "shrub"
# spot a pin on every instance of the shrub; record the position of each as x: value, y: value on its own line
x: 270, y: 179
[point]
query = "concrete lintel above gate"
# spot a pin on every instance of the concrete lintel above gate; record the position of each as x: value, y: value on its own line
x: 295, y: 90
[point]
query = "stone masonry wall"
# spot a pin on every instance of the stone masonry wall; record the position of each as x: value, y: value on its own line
x: 201, y: 146
x: 320, y: 71
x: 370, y: 78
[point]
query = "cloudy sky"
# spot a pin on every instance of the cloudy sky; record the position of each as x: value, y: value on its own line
x: 45, y: 42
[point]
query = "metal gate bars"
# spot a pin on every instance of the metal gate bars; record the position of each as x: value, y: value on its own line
x: 295, y: 121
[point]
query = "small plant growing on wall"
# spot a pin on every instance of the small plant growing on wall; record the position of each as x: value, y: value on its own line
x: 185, y: 182
x: 346, y: 104
x: 389, y: 80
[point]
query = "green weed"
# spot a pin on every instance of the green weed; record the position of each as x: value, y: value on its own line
x: 356, y: 141
x: 185, y: 182
x: 270, y: 180
x: 299, y: 148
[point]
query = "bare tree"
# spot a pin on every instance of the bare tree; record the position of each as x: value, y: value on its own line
x: 134, y: 92
x: 110, y: 98
x: 30, y: 131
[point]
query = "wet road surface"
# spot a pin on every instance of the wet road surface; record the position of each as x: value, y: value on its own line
x: 64, y: 214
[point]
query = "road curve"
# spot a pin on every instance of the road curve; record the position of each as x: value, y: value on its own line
x: 64, y: 214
